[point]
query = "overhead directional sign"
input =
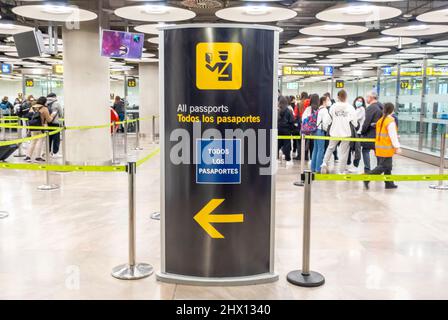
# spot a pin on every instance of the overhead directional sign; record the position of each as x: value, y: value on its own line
x: 307, y: 71
x: 404, y: 84
x: 205, y: 218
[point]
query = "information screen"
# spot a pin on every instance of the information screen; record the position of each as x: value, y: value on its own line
x: 124, y: 45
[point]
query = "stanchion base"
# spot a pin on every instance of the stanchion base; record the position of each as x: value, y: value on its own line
x: 128, y: 272
x: 155, y: 216
x: 4, y: 214
x: 48, y: 187
x: 313, y: 279
x: 437, y: 187
x: 299, y: 184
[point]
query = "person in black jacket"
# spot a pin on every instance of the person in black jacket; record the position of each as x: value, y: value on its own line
x: 285, y: 128
x: 373, y: 114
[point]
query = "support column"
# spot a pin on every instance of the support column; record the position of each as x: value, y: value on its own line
x: 149, y: 97
x: 86, y: 95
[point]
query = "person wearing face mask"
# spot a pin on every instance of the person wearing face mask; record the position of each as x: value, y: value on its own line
x: 323, y: 123
x: 355, y: 147
x: 373, y: 114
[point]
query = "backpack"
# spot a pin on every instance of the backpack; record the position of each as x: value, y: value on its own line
x: 24, y: 109
x: 35, y: 119
x: 309, y: 125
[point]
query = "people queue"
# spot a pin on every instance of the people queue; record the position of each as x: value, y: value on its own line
x: 41, y: 112
x: 312, y: 115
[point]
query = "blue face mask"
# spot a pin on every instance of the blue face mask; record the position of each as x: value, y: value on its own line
x: 359, y: 104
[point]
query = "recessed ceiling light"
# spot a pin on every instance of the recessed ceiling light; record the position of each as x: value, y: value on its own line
x: 57, y: 9
x: 387, y: 39
x: 358, y: 10
x: 418, y: 27
x: 333, y: 27
x: 7, y: 26
x: 155, y: 9
x: 256, y: 10
x: 315, y: 39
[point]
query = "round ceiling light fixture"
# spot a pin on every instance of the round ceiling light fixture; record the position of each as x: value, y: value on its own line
x: 349, y: 56
x: 296, y: 55
x: 316, y: 41
x: 368, y: 50
x: 425, y: 50
x: 156, y: 13
x: 416, y: 30
x: 439, y: 43
x: 387, y: 41
x: 304, y: 49
x: 11, y: 28
x: 358, y: 12
x: 54, y: 12
x: 332, y: 29
x: 436, y: 16
x: 256, y: 13
x: 151, y: 28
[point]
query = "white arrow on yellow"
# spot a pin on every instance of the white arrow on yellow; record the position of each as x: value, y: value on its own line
x: 204, y: 218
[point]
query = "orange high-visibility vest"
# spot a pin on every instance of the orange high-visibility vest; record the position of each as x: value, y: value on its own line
x: 383, y: 144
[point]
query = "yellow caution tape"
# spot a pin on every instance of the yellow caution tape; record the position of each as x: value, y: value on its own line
x: 63, y: 168
x: 339, y: 139
x: 19, y: 141
x: 289, y: 137
x: 89, y: 127
x: 151, y: 155
x: 10, y: 126
x: 366, y: 177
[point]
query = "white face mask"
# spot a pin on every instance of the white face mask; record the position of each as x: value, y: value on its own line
x: 328, y: 103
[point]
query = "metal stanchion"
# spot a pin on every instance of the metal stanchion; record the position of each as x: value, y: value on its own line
x: 132, y: 270
x: 19, y: 136
x: 114, y: 143
x: 441, y: 186
x: 125, y: 128
x: 153, y: 129
x: 4, y: 214
x: 64, y: 146
x: 155, y: 215
x: 306, y: 277
x: 137, y: 130
x: 302, y: 161
x: 47, y: 186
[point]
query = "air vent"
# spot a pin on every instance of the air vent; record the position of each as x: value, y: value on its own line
x: 203, y: 4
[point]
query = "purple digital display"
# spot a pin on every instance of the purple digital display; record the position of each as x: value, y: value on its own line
x: 125, y: 45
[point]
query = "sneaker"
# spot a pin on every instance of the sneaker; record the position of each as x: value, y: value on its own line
x: 289, y: 163
x: 352, y: 170
x: 27, y: 159
x: 324, y: 169
x: 40, y: 160
x: 391, y: 186
x: 56, y: 156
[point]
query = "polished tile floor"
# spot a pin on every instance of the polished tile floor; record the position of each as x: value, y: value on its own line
x: 374, y: 244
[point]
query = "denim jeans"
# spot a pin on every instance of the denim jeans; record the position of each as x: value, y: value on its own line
x: 366, y: 159
x: 318, y: 152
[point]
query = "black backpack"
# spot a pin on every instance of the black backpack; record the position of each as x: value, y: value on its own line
x: 24, y: 109
x: 35, y: 119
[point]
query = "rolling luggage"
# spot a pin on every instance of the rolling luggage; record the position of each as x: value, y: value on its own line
x: 7, y: 151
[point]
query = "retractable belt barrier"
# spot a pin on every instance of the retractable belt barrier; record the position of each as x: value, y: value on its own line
x: 386, y: 178
x: 326, y: 138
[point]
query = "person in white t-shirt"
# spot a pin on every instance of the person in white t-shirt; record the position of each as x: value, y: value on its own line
x: 343, y: 115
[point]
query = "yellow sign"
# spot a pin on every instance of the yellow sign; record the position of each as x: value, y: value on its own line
x: 306, y: 71
x: 405, y: 84
x: 219, y: 66
x: 132, y: 83
x: 29, y: 83
x: 340, y: 84
x: 204, y: 218
x: 58, y: 69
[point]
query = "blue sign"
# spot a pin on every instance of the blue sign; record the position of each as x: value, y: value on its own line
x: 387, y: 71
x: 6, y: 68
x: 328, y: 71
x: 218, y: 161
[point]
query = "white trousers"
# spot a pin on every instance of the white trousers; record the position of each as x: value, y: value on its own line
x: 344, y: 150
x: 35, y: 148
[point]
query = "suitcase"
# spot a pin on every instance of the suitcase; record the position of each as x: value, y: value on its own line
x: 7, y: 151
